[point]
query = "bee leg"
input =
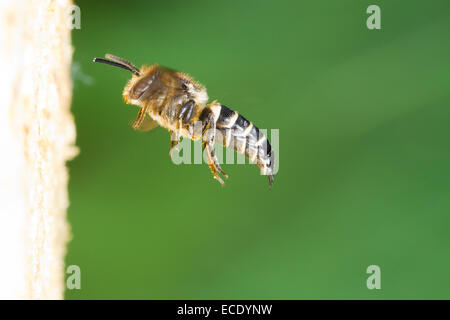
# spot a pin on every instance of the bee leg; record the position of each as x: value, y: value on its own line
x: 186, y: 111
x: 212, y: 157
x: 208, y: 143
x: 174, y: 140
x: 140, y: 118
x: 185, y: 114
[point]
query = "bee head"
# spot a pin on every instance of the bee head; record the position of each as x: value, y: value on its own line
x: 124, y: 64
x: 143, y: 85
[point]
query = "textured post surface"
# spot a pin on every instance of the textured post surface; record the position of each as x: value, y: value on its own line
x: 37, y: 135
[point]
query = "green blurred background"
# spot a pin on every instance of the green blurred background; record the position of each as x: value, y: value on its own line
x: 364, y: 175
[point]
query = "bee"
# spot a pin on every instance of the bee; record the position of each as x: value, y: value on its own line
x: 175, y: 101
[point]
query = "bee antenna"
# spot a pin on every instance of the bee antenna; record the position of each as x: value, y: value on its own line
x: 122, y: 61
x: 116, y: 64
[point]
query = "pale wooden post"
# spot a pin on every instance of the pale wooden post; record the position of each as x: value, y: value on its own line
x: 37, y: 135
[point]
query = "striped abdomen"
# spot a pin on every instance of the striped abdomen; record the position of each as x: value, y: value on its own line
x: 241, y: 135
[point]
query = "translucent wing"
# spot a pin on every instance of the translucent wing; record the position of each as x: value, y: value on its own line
x: 143, y: 121
x: 147, y: 124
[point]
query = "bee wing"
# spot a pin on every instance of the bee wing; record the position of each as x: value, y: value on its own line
x: 147, y: 124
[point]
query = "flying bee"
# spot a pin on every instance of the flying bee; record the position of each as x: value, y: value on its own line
x: 176, y: 102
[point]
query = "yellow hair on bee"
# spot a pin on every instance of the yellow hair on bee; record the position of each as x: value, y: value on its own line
x: 175, y: 101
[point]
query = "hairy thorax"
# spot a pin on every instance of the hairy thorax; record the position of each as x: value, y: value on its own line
x: 163, y: 92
